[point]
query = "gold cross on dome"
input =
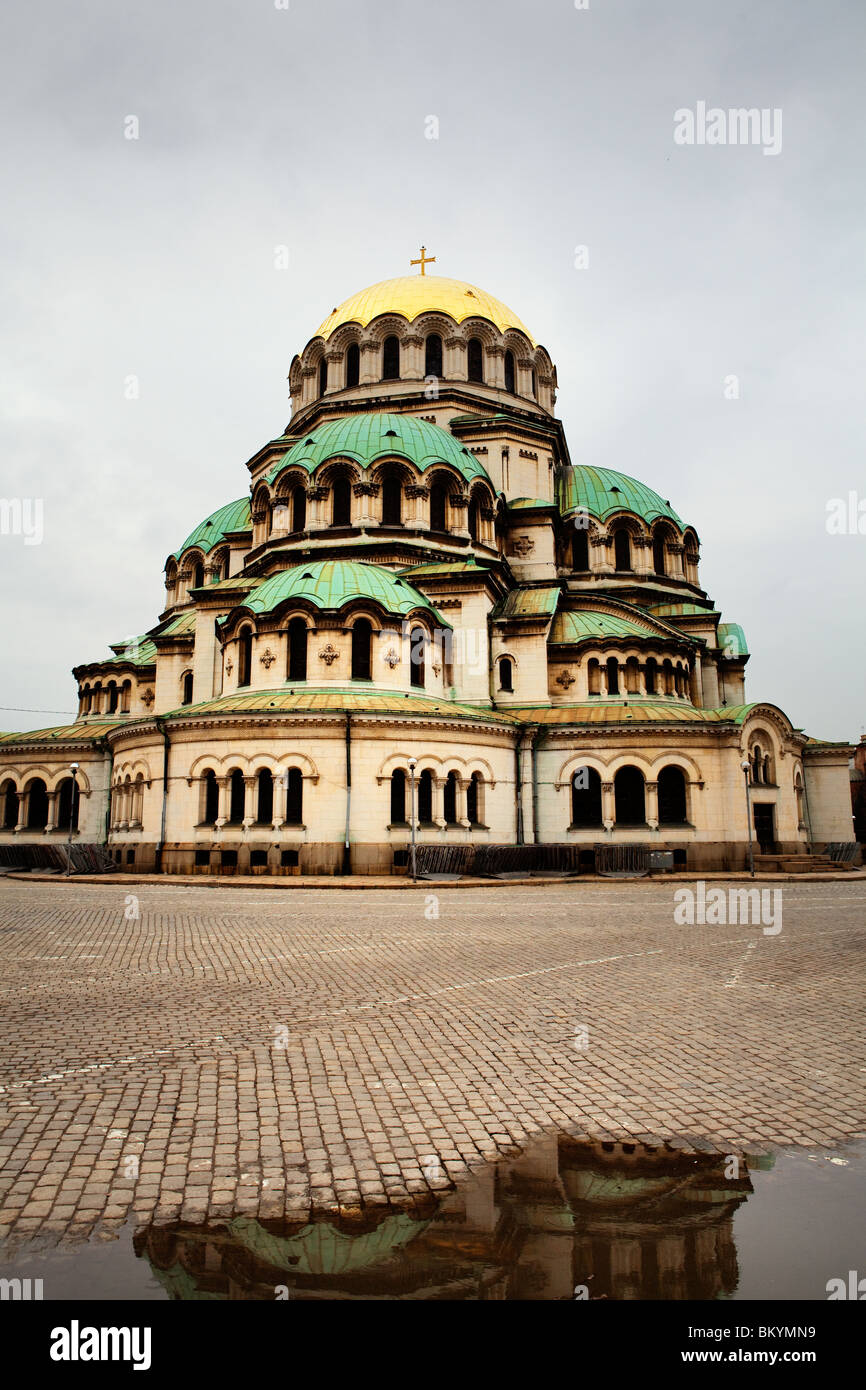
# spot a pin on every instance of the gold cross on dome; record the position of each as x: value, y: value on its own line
x: 423, y: 260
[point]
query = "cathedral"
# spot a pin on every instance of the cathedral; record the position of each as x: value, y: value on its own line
x: 422, y: 616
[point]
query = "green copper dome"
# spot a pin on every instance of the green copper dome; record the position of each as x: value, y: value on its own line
x: 234, y: 516
x: 602, y: 491
x: 334, y: 583
x: 375, y: 435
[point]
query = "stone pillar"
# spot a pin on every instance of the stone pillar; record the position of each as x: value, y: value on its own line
x: 250, y: 784
x: 462, y: 818
x: 370, y: 363
x: 710, y: 684
x: 419, y: 497
x: 438, y: 799
x: 600, y: 548
x: 51, y: 821
x: 642, y: 554
x: 280, y: 791
x: 308, y: 385
x: 486, y: 533
x: 458, y: 505
x: 333, y: 360
x: 365, y: 493
x: 676, y: 549
x: 523, y: 376
x: 652, y: 805
x: 454, y: 364
x: 223, y: 806
x: 317, y: 500
x: 494, y: 365
x: 608, y: 806
x: 695, y: 682
x: 412, y: 357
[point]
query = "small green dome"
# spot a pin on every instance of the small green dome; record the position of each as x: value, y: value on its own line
x: 373, y: 435
x: 234, y: 516
x: 601, y: 491
x: 334, y: 583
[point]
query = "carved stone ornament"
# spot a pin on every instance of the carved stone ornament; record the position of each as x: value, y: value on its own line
x: 329, y: 654
x: 267, y: 658
x: 565, y: 679
x: 229, y: 667
x: 392, y: 658
x: 148, y: 697
x: 522, y: 545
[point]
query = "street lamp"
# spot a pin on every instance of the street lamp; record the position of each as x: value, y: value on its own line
x: 747, y: 767
x: 412, y: 763
x: 73, y: 768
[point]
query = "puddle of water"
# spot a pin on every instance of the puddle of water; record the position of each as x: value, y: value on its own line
x: 560, y: 1220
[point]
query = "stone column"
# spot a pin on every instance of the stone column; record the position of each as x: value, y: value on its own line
x: 438, y: 799
x: 494, y: 365
x: 333, y: 360
x: 486, y: 535
x: 51, y: 821
x: 419, y: 496
x: 317, y: 499
x: 523, y: 376
x: 608, y: 805
x: 222, y: 806
x: 308, y: 385
x: 365, y: 493
x: 280, y: 791
x: 250, y: 784
x: 454, y: 364
x: 459, y: 505
x: 642, y: 554
x: 676, y: 549
x: 462, y: 818
x: 412, y: 357
x: 370, y: 363
x: 600, y: 546
x: 710, y: 685
x: 652, y: 805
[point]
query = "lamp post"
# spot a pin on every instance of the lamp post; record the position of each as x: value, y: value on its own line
x: 73, y: 768
x: 747, y: 767
x: 412, y: 762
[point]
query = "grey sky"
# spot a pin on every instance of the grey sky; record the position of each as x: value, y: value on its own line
x: 306, y: 127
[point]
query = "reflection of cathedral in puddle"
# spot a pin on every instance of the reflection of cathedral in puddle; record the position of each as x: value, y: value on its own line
x: 561, y: 1220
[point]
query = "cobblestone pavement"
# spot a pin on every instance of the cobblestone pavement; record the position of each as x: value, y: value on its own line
x: 261, y: 1053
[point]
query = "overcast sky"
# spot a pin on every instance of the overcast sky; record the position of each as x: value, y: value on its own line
x: 306, y: 127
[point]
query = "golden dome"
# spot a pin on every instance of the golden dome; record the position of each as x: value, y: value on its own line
x: 412, y: 295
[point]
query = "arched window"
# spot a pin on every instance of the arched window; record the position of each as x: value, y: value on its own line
x: 186, y: 688
x: 534, y: 385
x: 299, y: 507
x: 425, y: 797
x: 392, y: 500
x: 125, y: 696
x: 438, y: 506
x: 433, y: 355
x: 68, y: 803
x: 9, y: 806
x: 506, y: 674
x: 632, y: 676
x: 362, y: 638
x: 801, y: 806
x: 342, y: 503
x: 585, y: 797
x: 113, y: 695
x: 198, y: 574
x: 417, y: 653
x: 668, y: 676
x: 769, y: 779
x: 629, y: 796
x: 265, y: 799
x: 672, y: 796
x: 353, y: 364
x: 475, y: 360
x: 37, y: 805
x: 323, y: 376
x: 651, y: 675
x: 593, y: 677
x: 211, y: 798
x: 398, y: 797
x: 294, y: 797
x: 509, y: 372
x: 450, y: 799
x: 391, y: 358
x: 475, y: 799
x: 659, y: 559
x: 297, y: 650
x: 580, y: 550
x: 245, y: 656
x: 237, y: 797
x: 472, y: 518
x: 612, y: 668
x: 622, y: 549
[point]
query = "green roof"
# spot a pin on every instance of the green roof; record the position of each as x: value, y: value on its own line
x: 63, y: 733
x: 372, y: 436
x: 443, y: 567
x: 601, y: 492
x: 733, y: 639
x: 334, y: 583
x: 135, y: 651
x: 680, y: 610
x: 526, y: 504
x: 234, y: 516
x: 582, y: 626
x: 631, y: 711
x: 298, y: 699
x: 528, y: 602
x: 180, y: 626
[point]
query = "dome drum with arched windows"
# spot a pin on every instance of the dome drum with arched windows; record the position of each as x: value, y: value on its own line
x: 420, y: 595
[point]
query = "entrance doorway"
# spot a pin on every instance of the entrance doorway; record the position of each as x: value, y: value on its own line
x: 765, y: 826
